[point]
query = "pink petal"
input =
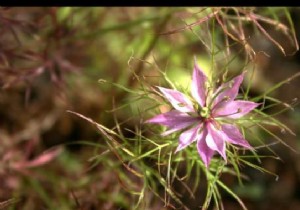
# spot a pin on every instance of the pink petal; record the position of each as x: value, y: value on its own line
x: 228, y: 91
x: 204, y: 151
x: 235, y: 109
x: 198, y: 88
x: 178, y: 127
x: 40, y: 160
x: 234, y: 136
x: 187, y: 137
x: 178, y: 100
x: 215, y: 140
x: 174, y: 120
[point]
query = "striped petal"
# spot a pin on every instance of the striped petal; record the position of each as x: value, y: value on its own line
x: 228, y: 91
x: 234, y: 136
x: 188, y: 137
x: 198, y: 88
x: 234, y: 109
x: 174, y: 120
x: 215, y: 140
x: 178, y: 100
x: 204, y: 151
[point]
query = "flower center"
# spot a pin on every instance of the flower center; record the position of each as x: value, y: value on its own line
x: 204, y: 112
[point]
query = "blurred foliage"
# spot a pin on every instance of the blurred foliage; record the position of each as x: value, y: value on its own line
x: 51, y: 60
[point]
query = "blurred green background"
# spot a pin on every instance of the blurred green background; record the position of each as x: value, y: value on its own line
x: 51, y: 60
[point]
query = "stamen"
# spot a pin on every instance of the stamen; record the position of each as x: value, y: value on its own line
x: 217, y: 125
x: 239, y: 110
x: 201, y: 129
x: 216, y: 95
x: 182, y: 104
x: 208, y: 92
x: 225, y: 98
x: 231, y: 84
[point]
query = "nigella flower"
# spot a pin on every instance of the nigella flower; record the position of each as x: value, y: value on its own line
x: 207, y: 118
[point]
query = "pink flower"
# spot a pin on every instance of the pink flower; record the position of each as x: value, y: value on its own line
x: 206, y: 122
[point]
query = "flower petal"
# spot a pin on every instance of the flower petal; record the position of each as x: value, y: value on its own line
x: 178, y: 100
x: 40, y: 160
x: 215, y: 140
x: 174, y: 120
x: 198, y: 88
x: 204, y: 151
x: 187, y: 137
x: 229, y: 91
x: 234, y: 136
x: 235, y: 109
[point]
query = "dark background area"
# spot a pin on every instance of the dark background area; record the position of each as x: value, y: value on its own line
x: 51, y: 60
